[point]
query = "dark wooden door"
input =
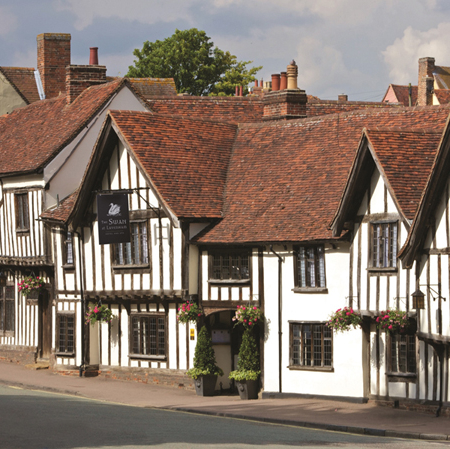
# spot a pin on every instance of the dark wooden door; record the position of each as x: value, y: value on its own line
x: 45, y: 325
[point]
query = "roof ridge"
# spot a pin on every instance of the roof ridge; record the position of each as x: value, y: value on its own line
x: 403, y: 130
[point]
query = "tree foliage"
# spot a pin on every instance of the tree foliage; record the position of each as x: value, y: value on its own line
x: 197, y: 67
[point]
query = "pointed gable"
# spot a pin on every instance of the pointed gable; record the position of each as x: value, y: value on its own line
x: 23, y: 81
x: 32, y: 135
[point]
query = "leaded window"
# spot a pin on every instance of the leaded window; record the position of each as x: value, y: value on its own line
x: 403, y: 354
x: 230, y: 265
x: 22, y: 212
x: 134, y: 252
x: 311, y: 345
x: 310, y: 266
x: 384, y: 245
x: 68, y: 249
x: 66, y: 333
x: 7, y: 309
x: 148, y: 335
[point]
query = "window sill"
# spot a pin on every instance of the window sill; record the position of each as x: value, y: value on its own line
x: 402, y: 377
x: 155, y: 358
x: 229, y: 281
x: 326, y: 369
x: 382, y: 270
x: 130, y: 268
x: 22, y: 231
x: 68, y: 267
x: 310, y: 290
x: 65, y: 354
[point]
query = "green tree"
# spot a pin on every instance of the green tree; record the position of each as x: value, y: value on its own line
x: 248, y: 359
x: 197, y: 67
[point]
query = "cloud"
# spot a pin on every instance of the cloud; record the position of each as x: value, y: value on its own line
x: 143, y: 11
x: 402, y: 56
x: 8, y: 21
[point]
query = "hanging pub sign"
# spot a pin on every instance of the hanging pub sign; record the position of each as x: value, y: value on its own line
x: 113, y: 218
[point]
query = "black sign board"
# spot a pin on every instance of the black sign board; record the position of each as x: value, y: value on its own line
x: 113, y: 218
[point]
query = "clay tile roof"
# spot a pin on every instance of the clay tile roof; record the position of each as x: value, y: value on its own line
x: 151, y: 87
x: 23, y: 81
x: 406, y: 158
x: 230, y: 109
x: 402, y: 94
x: 443, y: 95
x: 285, y: 179
x: 186, y: 159
x: 32, y: 135
x: 61, y: 213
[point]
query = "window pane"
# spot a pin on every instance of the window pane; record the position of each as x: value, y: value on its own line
x: 312, y: 345
x: 384, y: 245
x: 230, y: 265
x: 307, y: 345
x: 69, y: 249
x: 66, y: 333
x: 311, y: 266
x: 296, y: 342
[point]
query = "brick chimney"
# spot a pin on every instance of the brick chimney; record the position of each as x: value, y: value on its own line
x: 80, y: 77
x: 426, y: 81
x: 53, y: 56
x: 286, y: 104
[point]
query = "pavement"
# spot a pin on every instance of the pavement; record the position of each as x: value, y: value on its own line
x: 368, y: 419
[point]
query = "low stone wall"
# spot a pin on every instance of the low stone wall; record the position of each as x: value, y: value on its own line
x: 430, y: 407
x: 18, y: 354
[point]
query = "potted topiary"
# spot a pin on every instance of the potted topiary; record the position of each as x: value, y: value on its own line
x: 205, y: 370
x: 247, y: 374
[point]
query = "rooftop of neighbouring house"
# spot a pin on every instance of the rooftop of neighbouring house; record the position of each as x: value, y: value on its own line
x: 23, y: 81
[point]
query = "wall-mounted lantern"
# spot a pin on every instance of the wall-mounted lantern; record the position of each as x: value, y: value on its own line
x: 418, y: 299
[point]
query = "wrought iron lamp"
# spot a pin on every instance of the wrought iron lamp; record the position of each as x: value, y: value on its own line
x: 418, y: 299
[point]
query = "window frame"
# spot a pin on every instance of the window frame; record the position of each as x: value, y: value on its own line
x: 297, y: 362
x: 223, y: 255
x: 68, y: 242
x: 146, y: 356
x: 144, y: 252
x: 319, y: 266
x: 410, y: 360
x: 22, y: 212
x: 59, y: 318
x: 4, y: 319
x: 379, y: 260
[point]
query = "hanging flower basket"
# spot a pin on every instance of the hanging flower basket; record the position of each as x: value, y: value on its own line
x: 344, y: 320
x: 395, y: 322
x: 189, y: 312
x: 248, y: 316
x: 98, y: 313
x: 31, y: 284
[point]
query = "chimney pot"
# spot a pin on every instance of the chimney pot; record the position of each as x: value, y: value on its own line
x: 275, y: 82
x: 292, y: 74
x: 283, y: 81
x: 93, y: 56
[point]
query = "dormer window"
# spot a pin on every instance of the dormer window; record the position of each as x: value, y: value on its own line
x: 309, y: 267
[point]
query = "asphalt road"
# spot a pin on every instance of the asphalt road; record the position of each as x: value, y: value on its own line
x: 35, y: 419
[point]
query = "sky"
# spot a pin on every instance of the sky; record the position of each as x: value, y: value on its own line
x: 353, y: 47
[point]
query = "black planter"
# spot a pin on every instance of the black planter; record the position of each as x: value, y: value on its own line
x: 248, y: 389
x: 205, y: 385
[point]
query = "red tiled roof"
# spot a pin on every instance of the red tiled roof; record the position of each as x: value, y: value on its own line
x: 61, y: 212
x: 31, y: 136
x: 325, y: 107
x: 406, y: 158
x: 23, y: 81
x: 402, y: 94
x: 186, y: 159
x: 230, y: 109
x: 443, y: 95
x: 286, y: 178
x: 151, y: 87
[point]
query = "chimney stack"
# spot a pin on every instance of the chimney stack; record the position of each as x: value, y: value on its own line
x: 53, y: 56
x: 342, y: 98
x: 426, y: 81
x: 80, y: 77
x: 275, y: 82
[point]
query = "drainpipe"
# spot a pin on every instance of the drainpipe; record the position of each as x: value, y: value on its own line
x: 280, y: 322
x: 83, y: 308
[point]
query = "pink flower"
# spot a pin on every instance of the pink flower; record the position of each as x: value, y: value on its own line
x: 238, y: 307
x: 254, y: 308
x: 243, y: 308
x: 199, y: 314
x: 95, y: 309
x: 390, y: 326
x: 348, y: 313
